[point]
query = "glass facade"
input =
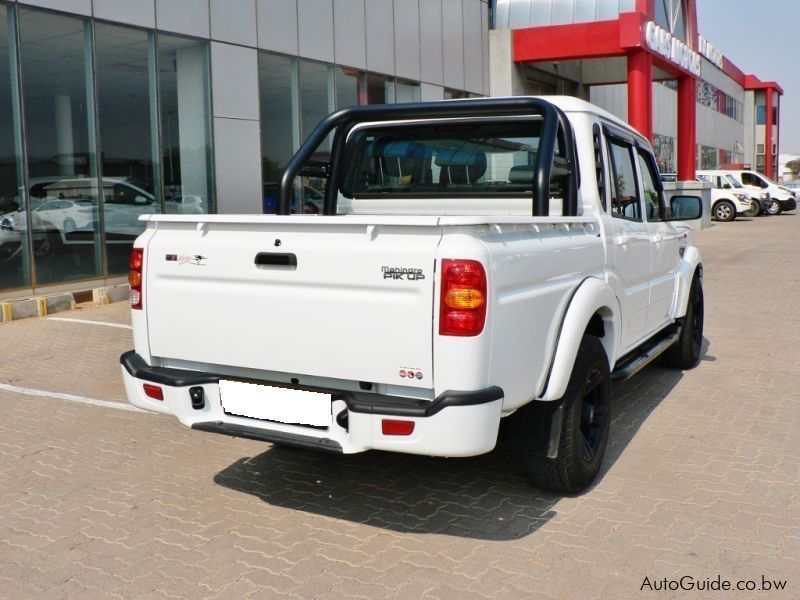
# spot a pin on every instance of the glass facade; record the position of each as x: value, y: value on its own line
x: 295, y: 95
x: 15, y: 256
x: 57, y: 92
x: 99, y: 124
x: 664, y: 150
x: 714, y: 98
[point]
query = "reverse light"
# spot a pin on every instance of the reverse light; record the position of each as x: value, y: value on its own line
x: 153, y: 391
x: 135, y: 277
x: 462, y: 309
x: 395, y: 427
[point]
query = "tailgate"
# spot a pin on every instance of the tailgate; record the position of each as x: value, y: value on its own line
x: 323, y: 301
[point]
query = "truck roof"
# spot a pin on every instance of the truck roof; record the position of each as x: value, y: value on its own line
x: 571, y: 104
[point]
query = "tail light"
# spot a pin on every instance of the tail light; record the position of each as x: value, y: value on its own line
x: 463, y: 303
x: 135, y: 277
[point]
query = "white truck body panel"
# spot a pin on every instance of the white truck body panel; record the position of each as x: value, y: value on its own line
x: 336, y: 318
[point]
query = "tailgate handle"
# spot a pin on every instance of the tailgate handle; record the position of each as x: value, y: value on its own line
x: 276, y: 259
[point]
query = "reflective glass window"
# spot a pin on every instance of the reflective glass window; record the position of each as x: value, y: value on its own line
x: 380, y: 89
x: 187, y: 173
x: 406, y: 91
x: 316, y: 102
x: 126, y: 104
x: 279, y: 122
x: 15, y: 269
x: 351, y: 87
x: 56, y: 61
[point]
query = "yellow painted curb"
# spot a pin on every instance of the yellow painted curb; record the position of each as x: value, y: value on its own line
x: 42, y: 304
x: 8, y: 313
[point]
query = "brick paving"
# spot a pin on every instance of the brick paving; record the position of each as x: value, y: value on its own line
x: 701, y: 478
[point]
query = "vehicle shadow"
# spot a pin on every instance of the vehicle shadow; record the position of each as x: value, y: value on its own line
x: 486, y: 497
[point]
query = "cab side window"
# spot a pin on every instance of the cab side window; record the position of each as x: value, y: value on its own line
x: 625, y: 203
x: 652, y: 197
x: 751, y: 179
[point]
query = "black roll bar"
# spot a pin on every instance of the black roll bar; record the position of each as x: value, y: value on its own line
x: 554, y: 122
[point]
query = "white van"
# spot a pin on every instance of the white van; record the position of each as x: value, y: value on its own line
x: 782, y: 198
x: 759, y: 199
x: 729, y: 198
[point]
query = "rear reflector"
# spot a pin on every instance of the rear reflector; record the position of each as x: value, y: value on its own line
x: 153, y: 391
x: 393, y: 427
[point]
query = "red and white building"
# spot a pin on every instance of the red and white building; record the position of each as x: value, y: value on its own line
x: 645, y: 61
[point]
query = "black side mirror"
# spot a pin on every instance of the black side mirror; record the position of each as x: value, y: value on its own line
x: 726, y: 186
x: 686, y: 208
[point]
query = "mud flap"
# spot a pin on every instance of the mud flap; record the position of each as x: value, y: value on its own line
x: 536, y: 427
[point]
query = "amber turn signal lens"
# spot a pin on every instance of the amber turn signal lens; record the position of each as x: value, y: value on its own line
x: 463, y: 298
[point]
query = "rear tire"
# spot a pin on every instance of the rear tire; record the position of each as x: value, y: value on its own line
x: 685, y: 353
x: 584, y: 425
x: 724, y: 210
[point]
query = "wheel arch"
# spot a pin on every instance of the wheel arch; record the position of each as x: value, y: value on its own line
x: 689, y: 265
x: 593, y: 309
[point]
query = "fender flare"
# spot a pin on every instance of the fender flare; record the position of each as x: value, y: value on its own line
x: 690, y: 264
x: 591, y: 296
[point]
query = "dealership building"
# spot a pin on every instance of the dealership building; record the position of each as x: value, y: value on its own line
x: 110, y: 109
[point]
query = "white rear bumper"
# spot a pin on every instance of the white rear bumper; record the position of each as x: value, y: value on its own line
x: 463, y: 430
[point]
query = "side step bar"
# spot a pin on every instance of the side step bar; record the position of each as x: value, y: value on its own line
x: 649, y: 352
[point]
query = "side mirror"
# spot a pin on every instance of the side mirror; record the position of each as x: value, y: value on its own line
x: 726, y: 186
x: 140, y: 200
x: 686, y: 208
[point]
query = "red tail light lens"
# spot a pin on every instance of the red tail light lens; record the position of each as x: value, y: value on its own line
x: 463, y: 301
x: 135, y: 277
x: 394, y: 427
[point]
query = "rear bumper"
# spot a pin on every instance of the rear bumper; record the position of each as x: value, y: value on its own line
x: 462, y: 423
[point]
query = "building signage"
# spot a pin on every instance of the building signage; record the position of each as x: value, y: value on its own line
x: 710, y: 52
x: 662, y: 42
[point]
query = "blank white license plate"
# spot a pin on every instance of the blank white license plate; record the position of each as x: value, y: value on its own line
x: 275, y: 403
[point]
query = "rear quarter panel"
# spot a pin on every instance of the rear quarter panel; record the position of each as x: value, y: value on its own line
x: 532, y: 271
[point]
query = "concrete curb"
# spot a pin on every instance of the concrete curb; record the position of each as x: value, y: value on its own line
x: 41, y: 306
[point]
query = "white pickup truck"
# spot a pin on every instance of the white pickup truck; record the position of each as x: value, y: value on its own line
x: 475, y: 261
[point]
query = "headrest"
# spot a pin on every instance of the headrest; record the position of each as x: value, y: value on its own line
x: 451, y: 157
x: 521, y: 174
x: 405, y: 150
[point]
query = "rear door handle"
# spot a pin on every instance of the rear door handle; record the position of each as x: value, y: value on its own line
x: 286, y: 260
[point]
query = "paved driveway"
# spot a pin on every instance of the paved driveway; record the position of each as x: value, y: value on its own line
x: 701, y: 479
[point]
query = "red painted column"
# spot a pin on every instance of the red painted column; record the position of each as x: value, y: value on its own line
x: 640, y: 92
x: 778, y: 135
x: 687, y: 128
x: 769, y: 165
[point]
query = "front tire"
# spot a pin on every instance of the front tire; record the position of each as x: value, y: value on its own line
x: 775, y: 208
x: 584, y: 425
x: 755, y: 209
x: 685, y: 353
x: 724, y: 211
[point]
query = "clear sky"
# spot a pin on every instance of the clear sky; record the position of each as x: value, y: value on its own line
x: 761, y: 37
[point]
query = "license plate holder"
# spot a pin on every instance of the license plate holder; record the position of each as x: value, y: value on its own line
x: 270, y: 403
